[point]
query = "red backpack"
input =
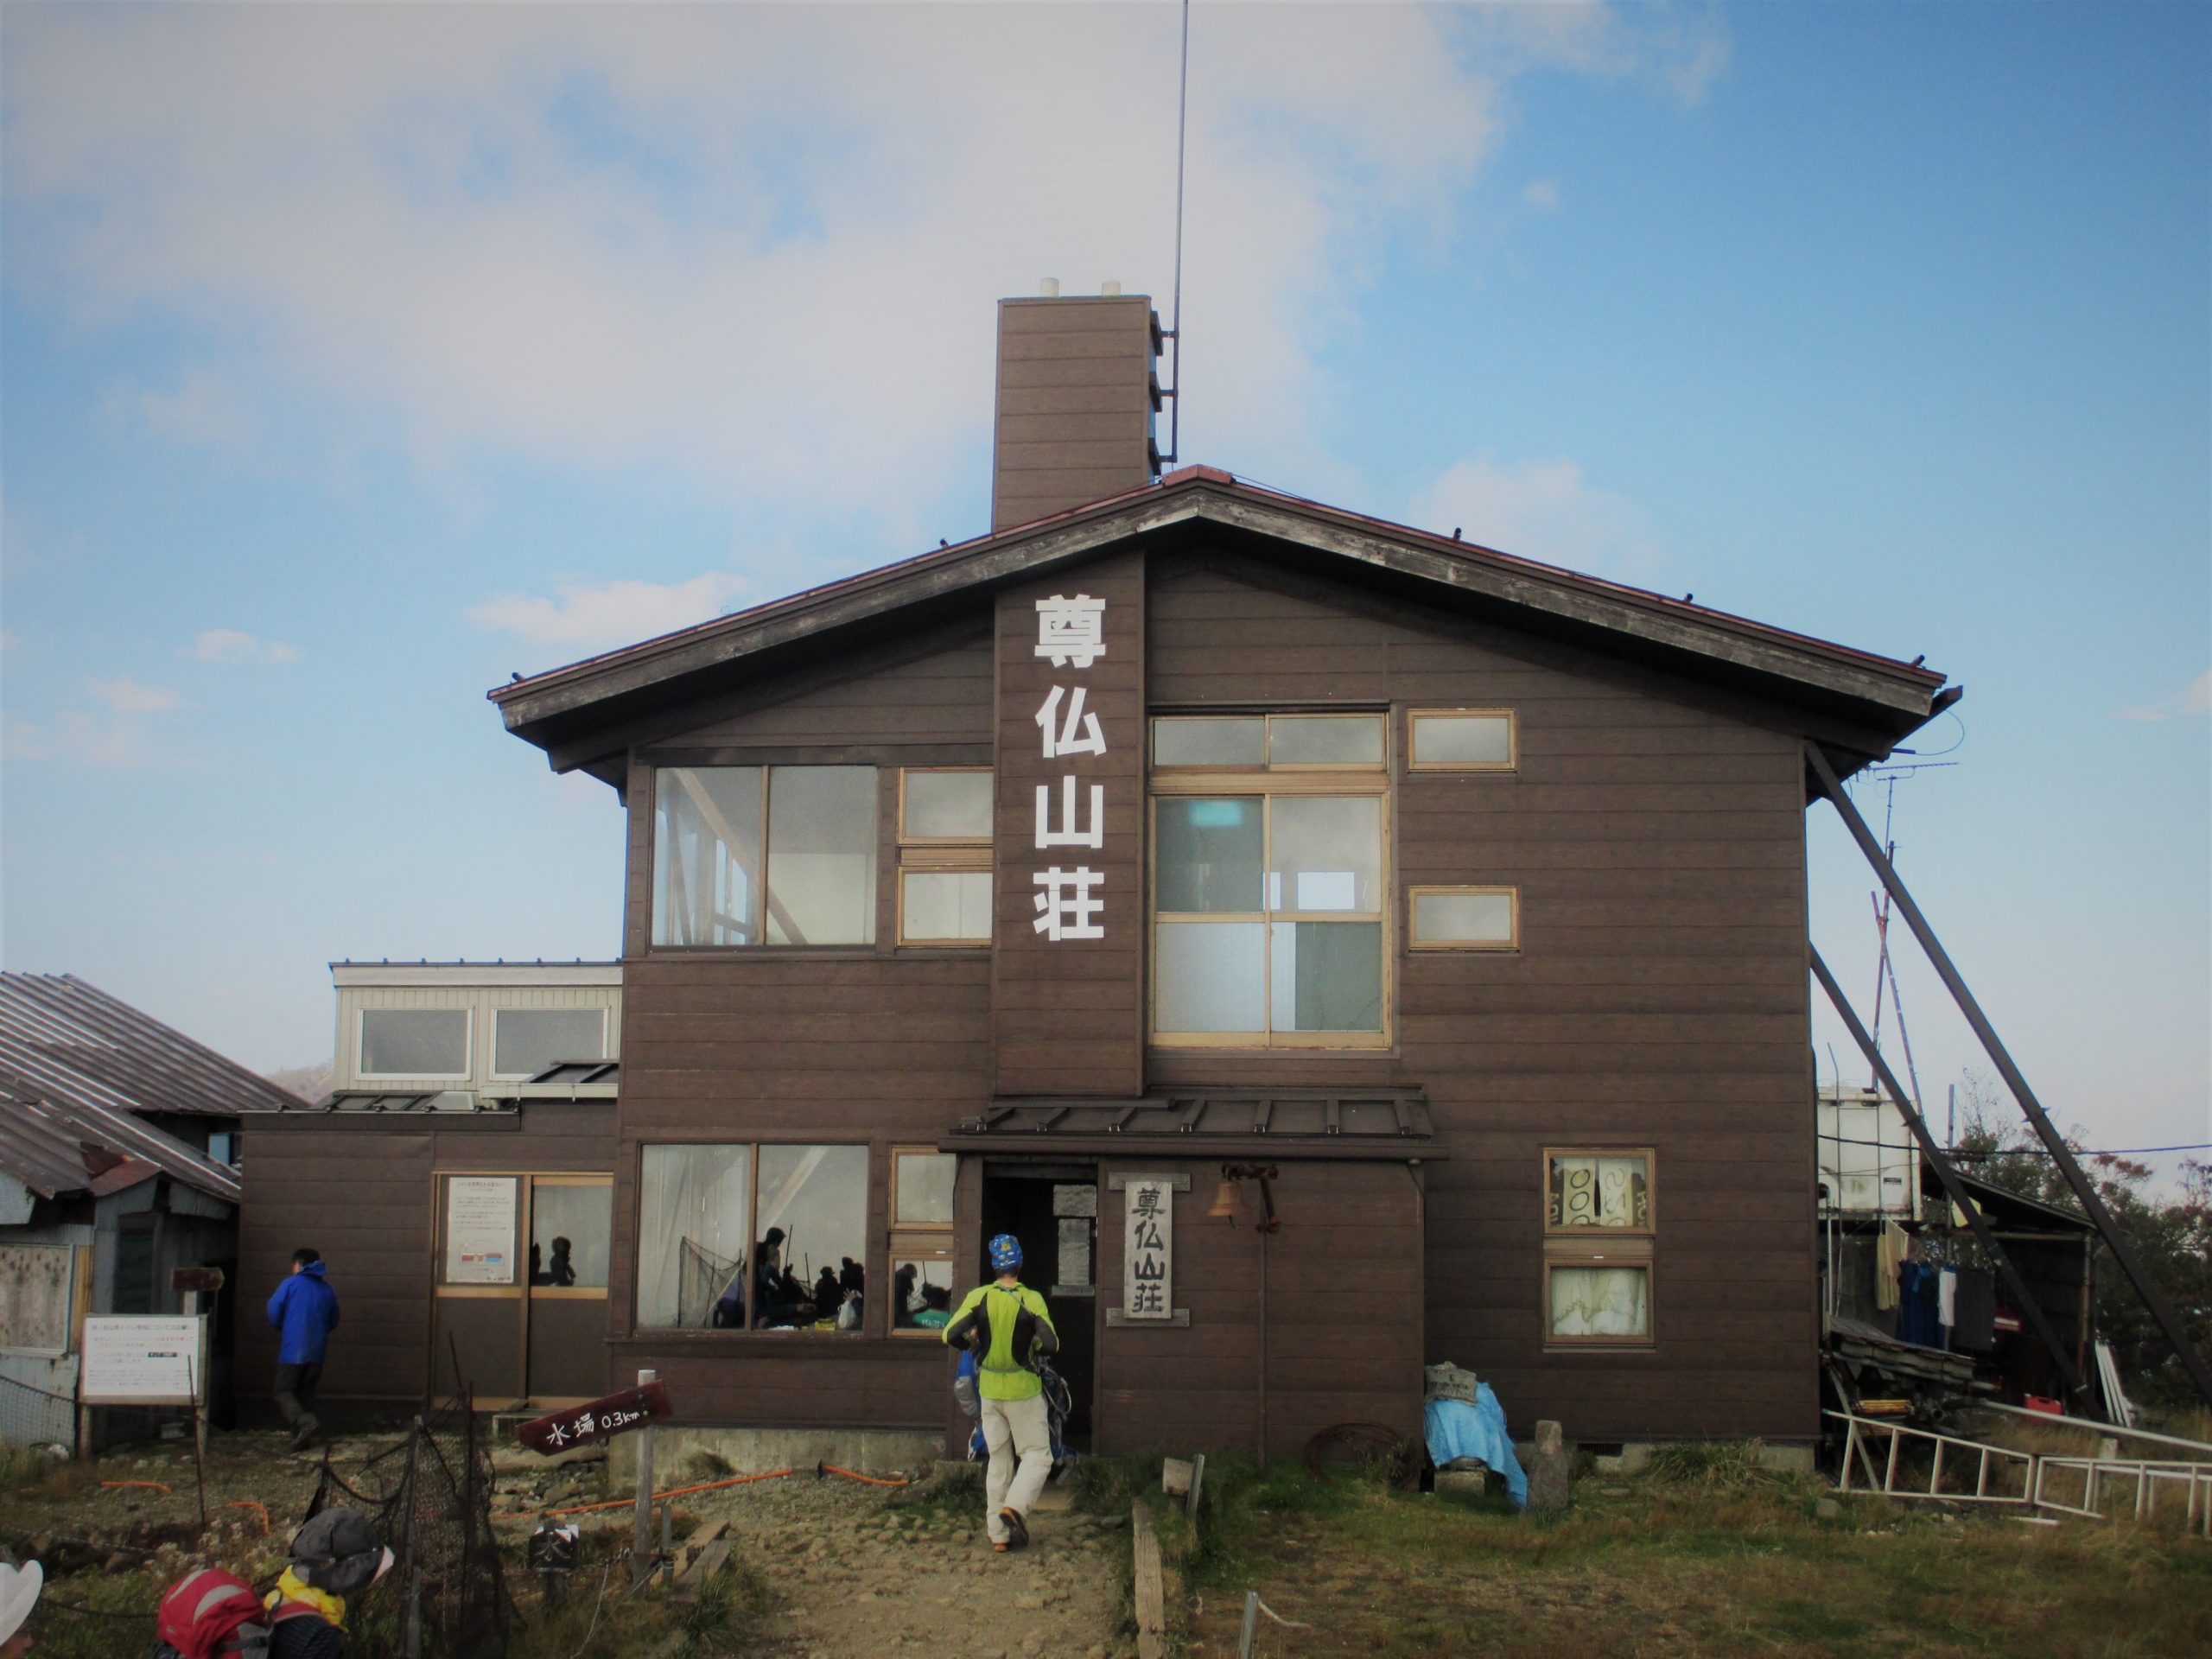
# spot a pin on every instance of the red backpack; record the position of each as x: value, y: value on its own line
x: 210, y: 1613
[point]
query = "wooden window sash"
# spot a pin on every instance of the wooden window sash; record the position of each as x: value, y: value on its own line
x: 1511, y: 763
x: 1414, y: 941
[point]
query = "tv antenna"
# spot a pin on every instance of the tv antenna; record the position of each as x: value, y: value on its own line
x: 1175, y: 323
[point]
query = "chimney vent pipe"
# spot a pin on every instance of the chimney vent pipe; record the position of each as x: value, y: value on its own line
x: 1111, y: 289
x: 1049, y: 289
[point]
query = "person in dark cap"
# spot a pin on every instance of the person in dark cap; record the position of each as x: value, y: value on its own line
x: 781, y: 1298
x: 334, y: 1557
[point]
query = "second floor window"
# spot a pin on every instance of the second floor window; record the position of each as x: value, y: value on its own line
x: 746, y: 856
x: 1269, y: 881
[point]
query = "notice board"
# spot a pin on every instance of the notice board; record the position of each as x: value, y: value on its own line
x: 481, y: 1212
x: 140, y: 1362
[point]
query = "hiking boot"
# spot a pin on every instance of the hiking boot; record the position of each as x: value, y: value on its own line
x: 303, y: 1434
x: 1017, y: 1530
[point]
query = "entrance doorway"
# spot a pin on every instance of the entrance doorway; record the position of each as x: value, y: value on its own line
x: 1053, y: 1210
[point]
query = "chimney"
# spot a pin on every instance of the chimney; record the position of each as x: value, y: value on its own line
x: 1076, y: 397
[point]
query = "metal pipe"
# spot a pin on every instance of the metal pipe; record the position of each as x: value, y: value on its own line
x: 2031, y: 1309
x: 2084, y: 1191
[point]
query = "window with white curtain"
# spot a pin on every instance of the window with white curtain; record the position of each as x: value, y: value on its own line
x: 751, y: 1237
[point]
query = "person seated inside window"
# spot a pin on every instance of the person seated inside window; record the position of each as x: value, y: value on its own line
x: 937, y: 1308
x: 827, y: 1296
x: 783, y: 1298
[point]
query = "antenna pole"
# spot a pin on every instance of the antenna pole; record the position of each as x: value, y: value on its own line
x: 1175, y: 332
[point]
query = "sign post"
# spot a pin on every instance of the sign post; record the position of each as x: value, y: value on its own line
x: 191, y: 1284
x: 641, y: 1530
x: 602, y: 1420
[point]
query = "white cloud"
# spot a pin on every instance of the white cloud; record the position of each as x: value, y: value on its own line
x: 124, y: 696
x: 592, y: 616
x: 230, y: 645
x: 701, y: 238
x: 1543, y: 194
x: 2195, y: 698
x: 1544, y: 510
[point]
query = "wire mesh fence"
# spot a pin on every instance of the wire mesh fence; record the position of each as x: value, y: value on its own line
x: 429, y: 1495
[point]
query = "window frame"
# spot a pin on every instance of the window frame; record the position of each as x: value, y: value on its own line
x: 747, y: 1331
x: 1337, y: 780
x: 1266, y: 763
x: 1511, y: 763
x: 1630, y: 1247
x: 939, y: 856
x: 528, y: 1181
x: 600, y: 1009
x: 1413, y: 940
x: 467, y: 1044
x: 763, y: 880
x: 913, y: 1241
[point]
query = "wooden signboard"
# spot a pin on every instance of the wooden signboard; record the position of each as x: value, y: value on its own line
x: 575, y: 1425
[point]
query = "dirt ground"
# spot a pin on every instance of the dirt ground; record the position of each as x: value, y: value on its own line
x: 846, y: 1571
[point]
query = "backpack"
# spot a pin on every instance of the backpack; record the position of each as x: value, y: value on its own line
x: 212, y: 1614
x: 963, y: 1385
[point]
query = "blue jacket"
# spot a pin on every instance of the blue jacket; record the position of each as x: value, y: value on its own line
x: 305, y: 1309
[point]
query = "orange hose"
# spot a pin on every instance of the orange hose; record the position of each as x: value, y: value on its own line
x: 155, y: 1484
x: 625, y: 1503
x: 870, y: 1480
x: 255, y: 1504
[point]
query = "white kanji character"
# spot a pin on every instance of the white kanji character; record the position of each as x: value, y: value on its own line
x: 584, y: 1424
x: 1077, y: 734
x: 1071, y: 632
x: 1068, y: 905
x: 558, y: 1434
x: 1071, y: 833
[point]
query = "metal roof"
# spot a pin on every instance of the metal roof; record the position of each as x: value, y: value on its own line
x: 578, y: 1080
x: 72, y: 1044
x: 447, y: 1103
x: 1317, y: 1122
x: 565, y: 1080
x: 54, y: 1146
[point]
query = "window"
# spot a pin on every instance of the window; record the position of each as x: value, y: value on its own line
x: 1461, y: 740
x: 921, y: 1239
x: 746, y: 855
x: 944, y: 856
x: 570, y: 1227
x: 1269, y: 920
x: 414, y: 1043
x: 524, y: 1041
x: 751, y: 1237
x: 1598, y: 1245
x: 1465, y: 918
x: 223, y: 1146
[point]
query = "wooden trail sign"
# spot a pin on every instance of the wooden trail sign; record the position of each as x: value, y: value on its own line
x: 575, y: 1425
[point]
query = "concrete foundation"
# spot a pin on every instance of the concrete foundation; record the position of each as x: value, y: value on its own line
x: 880, y: 1452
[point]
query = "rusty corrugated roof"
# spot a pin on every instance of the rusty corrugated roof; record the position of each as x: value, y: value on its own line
x: 54, y: 1145
x: 72, y: 1043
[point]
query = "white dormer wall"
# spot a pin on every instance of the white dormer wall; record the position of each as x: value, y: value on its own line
x: 482, y: 990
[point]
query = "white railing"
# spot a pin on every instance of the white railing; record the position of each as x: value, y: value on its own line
x: 2096, y: 1477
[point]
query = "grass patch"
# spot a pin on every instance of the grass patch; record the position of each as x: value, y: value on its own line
x: 1710, y: 1465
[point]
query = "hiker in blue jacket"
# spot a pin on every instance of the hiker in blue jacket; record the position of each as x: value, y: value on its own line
x: 304, y: 1311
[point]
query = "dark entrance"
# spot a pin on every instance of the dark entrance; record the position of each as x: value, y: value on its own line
x: 1053, y: 1210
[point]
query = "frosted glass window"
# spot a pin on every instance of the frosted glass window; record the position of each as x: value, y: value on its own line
x: 1325, y: 740
x: 1209, y: 976
x: 706, y: 855
x: 1327, y: 853
x: 1481, y: 739
x: 822, y: 852
x: 1601, y: 1302
x: 524, y: 1041
x: 568, y: 1229
x: 941, y: 905
x: 1208, y: 855
x: 1588, y: 1190
x: 947, y: 806
x: 694, y: 1205
x: 924, y: 1184
x: 1464, y: 916
x: 414, y: 1042
x: 1325, y: 976
x: 1235, y: 740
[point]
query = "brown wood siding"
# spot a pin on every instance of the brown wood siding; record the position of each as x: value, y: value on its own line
x: 1343, y: 1314
x: 1074, y: 422
x: 935, y: 689
x: 1068, y: 1015
x: 360, y: 1190
x: 1658, y: 998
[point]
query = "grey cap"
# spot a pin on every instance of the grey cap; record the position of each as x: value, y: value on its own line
x: 338, y: 1551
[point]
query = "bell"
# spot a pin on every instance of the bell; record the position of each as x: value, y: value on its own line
x: 1228, y: 1203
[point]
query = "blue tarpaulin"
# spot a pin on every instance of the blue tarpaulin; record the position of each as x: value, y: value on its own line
x: 1456, y: 1429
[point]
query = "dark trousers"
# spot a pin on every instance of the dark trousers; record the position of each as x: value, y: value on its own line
x: 296, y: 1390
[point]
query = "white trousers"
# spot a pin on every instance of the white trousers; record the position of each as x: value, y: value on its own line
x: 1015, y: 1429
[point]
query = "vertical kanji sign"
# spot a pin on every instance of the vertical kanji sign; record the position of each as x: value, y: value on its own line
x: 1148, y: 1251
x: 1071, y: 635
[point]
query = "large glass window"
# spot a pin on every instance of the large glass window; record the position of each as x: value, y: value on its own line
x: 1270, y: 921
x: 414, y: 1043
x: 921, y: 1239
x: 752, y: 1236
x: 944, y: 856
x: 524, y: 1041
x: 1598, y: 1245
x: 746, y: 855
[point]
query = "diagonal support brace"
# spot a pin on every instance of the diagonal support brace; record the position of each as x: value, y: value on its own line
x: 2023, y: 1298
x: 2085, y: 1192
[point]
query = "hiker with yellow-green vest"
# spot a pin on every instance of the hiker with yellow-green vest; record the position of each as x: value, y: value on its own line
x: 1006, y: 1325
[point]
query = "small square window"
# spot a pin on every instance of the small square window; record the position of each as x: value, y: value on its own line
x: 944, y: 907
x: 1598, y: 1303
x: 1461, y: 740
x: 1597, y: 1190
x: 921, y: 1187
x: 936, y: 805
x: 1211, y: 740
x: 1465, y: 918
x: 414, y: 1043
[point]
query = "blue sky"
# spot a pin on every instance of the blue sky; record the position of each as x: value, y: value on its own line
x: 355, y: 358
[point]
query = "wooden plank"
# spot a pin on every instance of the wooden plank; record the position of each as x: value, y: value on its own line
x: 1150, y: 1589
